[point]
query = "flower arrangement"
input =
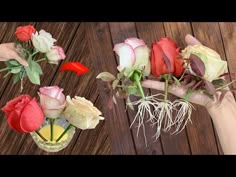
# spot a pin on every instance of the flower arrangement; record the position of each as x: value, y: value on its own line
x: 52, y: 121
x: 34, y: 47
x: 24, y: 114
x: 196, y: 69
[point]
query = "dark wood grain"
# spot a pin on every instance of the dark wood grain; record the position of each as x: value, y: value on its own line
x: 104, y: 60
x: 119, y: 32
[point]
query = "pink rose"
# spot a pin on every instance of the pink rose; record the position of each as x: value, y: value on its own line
x: 52, y: 101
x: 55, y: 55
x: 23, y: 114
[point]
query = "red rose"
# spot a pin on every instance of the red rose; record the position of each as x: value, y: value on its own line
x: 23, y: 114
x: 24, y: 33
x: 165, y: 58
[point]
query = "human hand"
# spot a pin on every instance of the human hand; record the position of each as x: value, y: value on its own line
x: 8, y: 51
x: 196, y: 97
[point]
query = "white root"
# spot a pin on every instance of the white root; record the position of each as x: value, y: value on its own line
x: 183, y: 115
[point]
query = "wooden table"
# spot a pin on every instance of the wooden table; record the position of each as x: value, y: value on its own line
x: 92, y: 44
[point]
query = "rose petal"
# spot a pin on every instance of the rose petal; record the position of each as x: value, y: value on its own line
x: 14, y: 121
x: 126, y: 55
x: 134, y: 42
x: 32, y: 117
x: 142, y: 58
x: 48, y: 102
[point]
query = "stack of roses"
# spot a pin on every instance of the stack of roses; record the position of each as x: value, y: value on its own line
x: 34, y: 47
x: 25, y: 115
x: 196, y: 68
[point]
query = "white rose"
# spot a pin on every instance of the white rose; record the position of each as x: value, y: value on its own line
x: 81, y: 113
x: 43, y: 41
x: 214, y: 66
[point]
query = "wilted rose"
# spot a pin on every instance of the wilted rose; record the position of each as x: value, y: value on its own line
x: 24, y: 33
x: 55, y: 55
x: 214, y: 66
x: 165, y: 58
x: 43, y: 41
x: 23, y: 114
x: 52, y: 101
x: 81, y: 113
x: 133, y: 54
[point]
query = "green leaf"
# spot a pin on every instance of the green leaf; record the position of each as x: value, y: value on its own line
x: 115, y: 83
x: 16, y: 78
x: 14, y: 62
x: 106, y: 76
x: 32, y: 75
x: 121, y: 74
x: 132, y: 90
x: 35, y: 67
x: 15, y: 70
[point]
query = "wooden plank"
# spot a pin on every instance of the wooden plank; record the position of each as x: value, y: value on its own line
x: 12, y: 141
x: 152, y: 32
x: 201, y: 131
x: 228, y: 33
x: 104, y: 60
x: 119, y: 32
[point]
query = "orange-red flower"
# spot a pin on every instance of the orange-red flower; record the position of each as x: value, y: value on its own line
x: 24, y: 33
x: 165, y: 58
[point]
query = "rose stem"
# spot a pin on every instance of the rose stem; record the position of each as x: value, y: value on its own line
x: 67, y: 128
x: 4, y: 69
x: 21, y: 85
x: 51, y: 128
x: 137, y: 80
x: 187, y: 96
x: 41, y: 136
x: 42, y: 59
x: 166, y: 86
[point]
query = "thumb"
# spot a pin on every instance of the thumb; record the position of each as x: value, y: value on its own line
x: 21, y: 60
x: 190, y: 40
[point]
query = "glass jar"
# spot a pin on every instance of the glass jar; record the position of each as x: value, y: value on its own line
x: 59, y: 126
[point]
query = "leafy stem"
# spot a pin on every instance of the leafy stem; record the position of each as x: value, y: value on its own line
x: 51, y: 128
x: 137, y: 80
x: 4, y: 69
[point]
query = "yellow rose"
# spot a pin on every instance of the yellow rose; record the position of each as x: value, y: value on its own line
x: 214, y: 66
x: 81, y: 113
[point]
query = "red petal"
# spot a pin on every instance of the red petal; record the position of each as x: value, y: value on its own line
x: 75, y: 67
x: 14, y: 121
x: 179, y: 68
x: 32, y: 116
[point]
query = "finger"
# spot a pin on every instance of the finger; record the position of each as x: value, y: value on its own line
x: 153, y: 85
x: 21, y: 60
x: 190, y: 40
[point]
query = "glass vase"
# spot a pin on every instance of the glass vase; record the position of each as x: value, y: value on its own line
x: 59, y: 126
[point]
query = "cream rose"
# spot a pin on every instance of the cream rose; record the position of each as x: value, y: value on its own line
x: 55, y: 55
x: 214, y: 66
x: 43, y: 41
x: 81, y: 113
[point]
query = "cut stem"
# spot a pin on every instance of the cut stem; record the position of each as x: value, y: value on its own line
x: 137, y: 80
x: 41, y: 136
x: 51, y: 128
x: 166, y: 86
x: 39, y: 60
x: 4, y: 69
x: 66, y: 130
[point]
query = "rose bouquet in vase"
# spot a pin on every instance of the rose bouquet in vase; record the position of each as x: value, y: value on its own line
x: 53, y: 121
